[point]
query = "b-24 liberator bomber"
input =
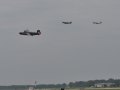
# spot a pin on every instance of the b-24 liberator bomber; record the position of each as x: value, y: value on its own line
x: 27, y: 32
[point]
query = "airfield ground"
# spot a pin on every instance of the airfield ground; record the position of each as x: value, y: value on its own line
x: 96, y: 89
x: 86, y: 89
x: 102, y: 88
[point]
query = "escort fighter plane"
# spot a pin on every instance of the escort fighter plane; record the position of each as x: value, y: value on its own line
x: 97, y: 22
x: 67, y: 22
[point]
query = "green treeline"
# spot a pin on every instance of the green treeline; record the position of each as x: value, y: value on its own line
x: 91, y: 83
x: 76, y: 84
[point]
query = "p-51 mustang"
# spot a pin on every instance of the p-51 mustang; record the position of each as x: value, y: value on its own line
x: 97, y: 22
x: 27, y: 32
x: 67, y: 22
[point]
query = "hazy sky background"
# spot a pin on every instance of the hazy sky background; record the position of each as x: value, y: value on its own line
x: 63, y: 53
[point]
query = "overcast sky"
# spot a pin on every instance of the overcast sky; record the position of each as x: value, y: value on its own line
x: 62, y: 53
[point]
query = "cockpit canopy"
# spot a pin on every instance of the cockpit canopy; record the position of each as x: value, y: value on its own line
x: 26, y: 30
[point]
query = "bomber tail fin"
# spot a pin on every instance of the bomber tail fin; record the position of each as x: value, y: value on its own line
x: 38, y: 32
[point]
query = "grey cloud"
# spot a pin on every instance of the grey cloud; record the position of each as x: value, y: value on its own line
x: 63, y: 53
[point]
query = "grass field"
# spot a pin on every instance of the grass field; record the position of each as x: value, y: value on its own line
x: 84, y: 89
x: 101, y: 88
x: 93, y: 89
